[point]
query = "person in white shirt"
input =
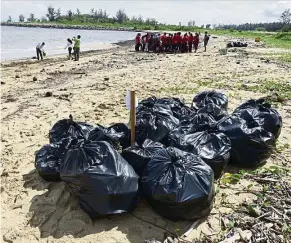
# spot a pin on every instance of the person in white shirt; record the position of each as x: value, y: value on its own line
x: 70, y: 47
x: 39, y: 50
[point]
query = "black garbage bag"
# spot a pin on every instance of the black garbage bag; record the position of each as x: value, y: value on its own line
x: 178, y: 107
x: 258, y: 113
x: 48, y: 159
x: 178, y: 185
x: 210, y: 97
x: 69, y: 128
x: 212, y: 147
x: 250, y: 147
x: 117, y: 134
x: 154, y: 123
x: 214, y: 110
x: 201, y: 122
x: 139, y: 156
x: 101, y: 179
x: 197, y: 123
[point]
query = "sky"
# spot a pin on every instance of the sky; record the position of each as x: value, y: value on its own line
x: 171, y: 11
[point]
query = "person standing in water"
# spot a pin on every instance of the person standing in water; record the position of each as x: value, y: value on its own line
x: 69, y: 46
x: 77, y: 47
x: 206, y: 39
x: 39, y: 50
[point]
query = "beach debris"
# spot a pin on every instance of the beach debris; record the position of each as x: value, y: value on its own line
x: 17, y: 76
x: 269, y: 220
x: 171, y: 184
x: 139, y: 156
x: 69, y: 128
x: 117, y: 135
x: 106, y: 79
x: 48, y: 94
x: 48, y: 159
x: 238, y: 62
x: 177, y: 182
x: 2, y: 82
x: 34, y: 78
x: 250, y: 145
x: 259, y: 113
x: 96, y: 172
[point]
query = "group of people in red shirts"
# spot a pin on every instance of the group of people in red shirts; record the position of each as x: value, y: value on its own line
x: 169, y: 42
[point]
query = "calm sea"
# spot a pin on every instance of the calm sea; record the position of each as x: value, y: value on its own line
x: 19, y: 42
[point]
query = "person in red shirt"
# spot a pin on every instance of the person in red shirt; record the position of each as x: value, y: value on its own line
x: 165, y: 43
x: 175, y: 42
x: 143, y: 40
x: 170, y: 42
x: 190, y: 42
x: 137, y: 42
x: 196, y: 41
x: 179, y: 41
x: 185, y: 43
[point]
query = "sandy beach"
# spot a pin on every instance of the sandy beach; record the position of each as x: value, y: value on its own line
x: 36, y: 94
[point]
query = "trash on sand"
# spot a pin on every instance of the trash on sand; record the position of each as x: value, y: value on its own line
x: 178, y: 185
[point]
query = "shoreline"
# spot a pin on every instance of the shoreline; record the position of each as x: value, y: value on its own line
x: 64, y: 26
x: 29, y: 60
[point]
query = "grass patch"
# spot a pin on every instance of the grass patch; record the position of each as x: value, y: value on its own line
x: 271, y: 86
x: 282, y: 40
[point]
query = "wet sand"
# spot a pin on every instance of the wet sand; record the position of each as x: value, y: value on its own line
x: 93, y: 90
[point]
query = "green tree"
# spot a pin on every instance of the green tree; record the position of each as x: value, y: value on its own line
x: 31, y: 18
x: 78, y: 12
x: 51, y: 13
x: 21, y: 18
x: 121, y: 16
x: 70, y: 14
x: 9, y: 19
x: 58, y: 14
x: 286, y: 16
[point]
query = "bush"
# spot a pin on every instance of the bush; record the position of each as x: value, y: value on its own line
x: 286, y: 28
x: 260, y: 29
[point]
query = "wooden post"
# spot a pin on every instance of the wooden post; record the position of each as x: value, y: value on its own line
x: 132, y: 116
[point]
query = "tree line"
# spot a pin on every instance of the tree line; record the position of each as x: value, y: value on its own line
x: 101, y: 16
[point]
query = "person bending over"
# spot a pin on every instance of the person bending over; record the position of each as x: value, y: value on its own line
x: 39, y: 50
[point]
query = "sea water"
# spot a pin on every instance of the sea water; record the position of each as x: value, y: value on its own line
x: 20, y: 42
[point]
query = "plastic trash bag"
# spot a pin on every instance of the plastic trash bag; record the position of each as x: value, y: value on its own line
x: 201, y: 122
x: 214, y: 110
x: 175, y: 105
x: 212, y: 147
x: 178, y: 185
x: 258, y: 113
x: 48, y: 159
x: 117, y: 134
x: 101, y: 179
x: 250, y: 147
x: 69, y: 128
x: 210, y: 97
x: 139, y: 156
x: 154, y: 123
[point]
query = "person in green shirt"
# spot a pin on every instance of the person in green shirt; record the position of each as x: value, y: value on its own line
x: 77, y: 47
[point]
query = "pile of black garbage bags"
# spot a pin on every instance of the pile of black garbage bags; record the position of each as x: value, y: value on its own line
x: 236, y: 44
x: 179, y: 152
